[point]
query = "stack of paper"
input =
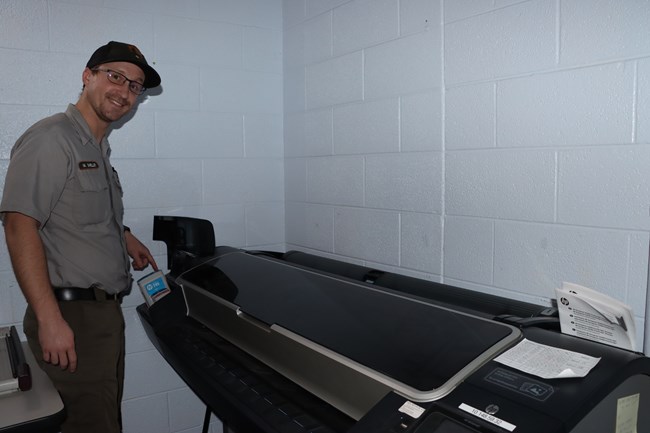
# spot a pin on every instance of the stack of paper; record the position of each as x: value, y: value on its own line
x: 594, y: 316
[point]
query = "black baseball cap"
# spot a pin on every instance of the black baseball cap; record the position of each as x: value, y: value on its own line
x: 121, y: 52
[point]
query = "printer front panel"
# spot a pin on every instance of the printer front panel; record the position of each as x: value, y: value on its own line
x: 466, y: 410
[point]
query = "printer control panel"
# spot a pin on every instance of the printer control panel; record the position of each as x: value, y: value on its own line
x: 395, y: 414
x: 436, y: 422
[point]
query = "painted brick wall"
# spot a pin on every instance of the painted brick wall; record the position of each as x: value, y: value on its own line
x: 497, y: 145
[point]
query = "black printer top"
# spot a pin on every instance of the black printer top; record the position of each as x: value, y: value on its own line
x: 416, y: 343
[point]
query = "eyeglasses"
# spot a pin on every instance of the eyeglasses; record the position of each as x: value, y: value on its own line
x: 117, y: 78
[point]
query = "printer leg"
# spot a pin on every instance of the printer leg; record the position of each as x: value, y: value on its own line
x: 206, y: 423
x: 206, y: 420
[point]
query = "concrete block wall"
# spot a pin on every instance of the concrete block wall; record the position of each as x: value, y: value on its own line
x: 498, y: 145
x: 209, y: 144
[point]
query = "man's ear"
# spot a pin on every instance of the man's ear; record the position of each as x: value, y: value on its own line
x: 85, y: 76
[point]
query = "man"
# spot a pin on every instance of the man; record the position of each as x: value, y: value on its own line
x: 62, y: 212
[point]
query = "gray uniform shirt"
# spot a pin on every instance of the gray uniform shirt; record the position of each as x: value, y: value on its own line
x: 60, y: 176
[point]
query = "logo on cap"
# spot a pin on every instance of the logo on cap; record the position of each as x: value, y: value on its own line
x: 135, y: 51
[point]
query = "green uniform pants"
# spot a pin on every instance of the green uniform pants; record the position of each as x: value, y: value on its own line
x: 92, y: 395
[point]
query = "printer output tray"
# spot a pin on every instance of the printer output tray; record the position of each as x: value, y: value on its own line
x: 347, y: 342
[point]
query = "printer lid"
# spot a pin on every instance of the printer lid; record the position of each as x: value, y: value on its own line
x: 420, y: 346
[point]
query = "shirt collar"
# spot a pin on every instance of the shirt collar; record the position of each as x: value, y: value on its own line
x: 80, y: 124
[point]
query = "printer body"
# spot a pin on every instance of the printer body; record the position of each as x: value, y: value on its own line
x: 294, y: 342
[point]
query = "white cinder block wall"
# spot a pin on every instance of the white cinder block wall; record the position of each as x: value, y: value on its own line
x: 209, y: 144
x: 498, y: 145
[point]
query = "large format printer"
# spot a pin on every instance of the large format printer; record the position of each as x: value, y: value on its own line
x: 293, y: 342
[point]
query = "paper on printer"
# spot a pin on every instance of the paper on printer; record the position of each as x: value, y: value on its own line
x: 594, y: 316
x: 546, y: 361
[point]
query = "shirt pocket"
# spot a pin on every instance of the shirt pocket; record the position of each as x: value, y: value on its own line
x: 93, y: 202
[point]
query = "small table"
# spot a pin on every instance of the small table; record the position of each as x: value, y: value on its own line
x: 39, y: 410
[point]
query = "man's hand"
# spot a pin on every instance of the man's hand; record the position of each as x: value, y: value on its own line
x: 57, y: 341
x: 139, y: 253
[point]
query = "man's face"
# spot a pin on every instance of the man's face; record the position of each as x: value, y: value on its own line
x: 111, y: 101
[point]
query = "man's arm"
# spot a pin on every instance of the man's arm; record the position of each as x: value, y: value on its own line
x: 138, y: 252
x: 30, y: 267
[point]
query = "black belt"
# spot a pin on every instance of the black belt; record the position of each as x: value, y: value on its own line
x: 85, y: 294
